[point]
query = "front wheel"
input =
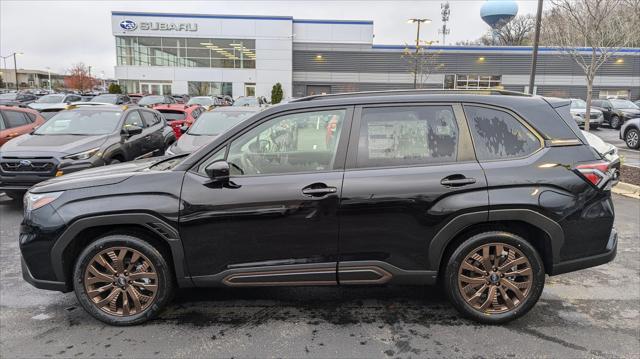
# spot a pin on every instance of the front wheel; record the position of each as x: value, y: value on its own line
x: 122, y: 280
x: 632, y: 138
x: 615, y: 122
x: 494, y: 277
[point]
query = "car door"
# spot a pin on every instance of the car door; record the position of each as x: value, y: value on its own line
x: 16, y: 123
x: 410, y: 170
x: 134, y: 145
x: 275, y: 223
x: 155, y: 142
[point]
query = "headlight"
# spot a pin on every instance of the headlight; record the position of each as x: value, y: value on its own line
x: 34, y: 201
x: 82, y: 155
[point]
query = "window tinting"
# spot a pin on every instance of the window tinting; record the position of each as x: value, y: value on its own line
x: 134, y: 119
x: 395, y: 136
x: 149, y: 118
x: 301, y: 142
x: 498, y: 135
x: 15, y: 119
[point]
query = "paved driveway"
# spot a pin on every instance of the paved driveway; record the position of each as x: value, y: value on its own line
x: 630, y: 157
x: 592, y: 313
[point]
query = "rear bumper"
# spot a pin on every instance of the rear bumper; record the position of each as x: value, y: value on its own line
x: 42, y: 284
x: 581, y: 263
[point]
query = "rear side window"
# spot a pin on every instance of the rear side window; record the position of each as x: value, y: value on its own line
x: 498, y: 135
x: 15, y: 119
x: 397, y: 136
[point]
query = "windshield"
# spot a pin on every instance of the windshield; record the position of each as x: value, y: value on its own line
x: 623, y: 104
x: 81, y: 123
x: 150, y: 100
x: 173, y: 115
x: 246, y: 101
x: 105, y: 98
x: 578, y: 104
x: 8, y: 96
x: 204, y: 101
x: 50, y: 99
x: 216, y: 122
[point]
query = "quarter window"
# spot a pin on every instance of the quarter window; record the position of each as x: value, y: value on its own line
x: 301, y: 142
x: 498, y: 135
x: 397, y: 136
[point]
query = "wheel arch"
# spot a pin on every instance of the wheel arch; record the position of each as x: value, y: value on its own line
x: 148, y: 227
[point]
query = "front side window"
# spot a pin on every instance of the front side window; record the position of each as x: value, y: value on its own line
x: 396, y: 136
x: 15, y: 119
x: 149, y: 118
x: 301, y: 142
x: 134, y: 119
x: 498, y: 135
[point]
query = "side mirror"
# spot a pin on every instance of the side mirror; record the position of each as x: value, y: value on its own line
x: 183, y: 128
x: 131, y: 130
x: 218, y: 171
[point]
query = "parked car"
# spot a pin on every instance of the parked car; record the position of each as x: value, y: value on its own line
x: 178, y: 115
x: 54, y: 100
x: 135, y: 97
x: 249, y: 101
x: 153, y: 100
x: 208, y: 102
x: 209, y: 126
x: 630, y: 133
x: 114, y: 99
x: 578, y: 110
x: 617, y: 111
x: 181, y: 99
x: 16, y: 121
x: 77, y: 139
x: 607, y: 151
x: 17, y: 99
x: 486, y: 193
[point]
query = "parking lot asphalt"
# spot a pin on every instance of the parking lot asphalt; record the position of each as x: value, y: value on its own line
x: 591, y: 313
x: 629, y: 157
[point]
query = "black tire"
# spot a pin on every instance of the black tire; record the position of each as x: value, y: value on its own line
x: 164, y: 282
x: 615, y: 122
x: 114, y: 161
x: 15, y: 195
x: 632, y: 138
x: 454, y: 291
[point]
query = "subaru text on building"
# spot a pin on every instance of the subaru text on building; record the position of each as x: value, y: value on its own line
x: 487, y: 193
x: 77, y: 139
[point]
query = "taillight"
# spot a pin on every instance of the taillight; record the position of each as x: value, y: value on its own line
x: 594, y: 172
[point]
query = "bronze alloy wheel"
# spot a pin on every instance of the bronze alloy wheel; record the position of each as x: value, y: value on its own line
x: 121, y: 281
x: 495, y: 278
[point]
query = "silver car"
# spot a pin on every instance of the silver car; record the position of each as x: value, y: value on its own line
x: 578, y: 110
x: 630, y: 133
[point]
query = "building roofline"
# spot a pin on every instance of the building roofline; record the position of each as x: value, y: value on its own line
x: 243, y: 17
x: 493, y: 48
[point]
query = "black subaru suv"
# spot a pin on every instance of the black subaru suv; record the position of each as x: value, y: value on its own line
x: 485, y: 193
x: 80, y: 138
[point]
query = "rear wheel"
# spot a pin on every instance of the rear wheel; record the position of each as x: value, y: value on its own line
x: 615, y: 122
x: 632, y: 138
x: 494, y: 277
x: 122, y: 280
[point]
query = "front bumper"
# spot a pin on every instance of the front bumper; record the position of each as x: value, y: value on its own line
x: 42, y: 284
x: 606, y: 256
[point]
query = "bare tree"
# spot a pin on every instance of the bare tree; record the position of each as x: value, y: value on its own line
x: 598, y: 25
x: 423, y: 62
x: 79, y: 78
x: 517, y: 32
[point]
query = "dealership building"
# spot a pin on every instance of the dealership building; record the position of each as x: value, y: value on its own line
x: 241, y: 55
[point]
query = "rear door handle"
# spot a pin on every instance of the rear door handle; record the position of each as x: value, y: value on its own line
x: 318, y: 192
x: 457, y: 181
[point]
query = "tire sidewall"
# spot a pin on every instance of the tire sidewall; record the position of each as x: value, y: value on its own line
x: 165, y: 281
x: 627, y: 135
x: 615, y: 122
x: 451, y: 276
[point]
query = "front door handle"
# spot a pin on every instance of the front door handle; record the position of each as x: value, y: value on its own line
x: 317, y: 191
x: 457, y: 181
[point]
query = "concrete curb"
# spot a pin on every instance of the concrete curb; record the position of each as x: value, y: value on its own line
x: 627, y: 189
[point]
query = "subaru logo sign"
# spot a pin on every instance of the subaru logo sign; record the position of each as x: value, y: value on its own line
x: 128, y: 25
x: 25, y: 163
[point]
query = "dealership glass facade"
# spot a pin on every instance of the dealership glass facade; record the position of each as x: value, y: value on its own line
x: 186, y: 52
x: 200, y: 88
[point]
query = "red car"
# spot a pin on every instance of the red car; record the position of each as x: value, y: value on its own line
x: 16, y: 121
x: 178, y: 115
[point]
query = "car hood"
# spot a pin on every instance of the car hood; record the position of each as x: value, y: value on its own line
x: 61, y: 144
x: 93, y: 177
x: 44, y: 106
x: 189, y: 143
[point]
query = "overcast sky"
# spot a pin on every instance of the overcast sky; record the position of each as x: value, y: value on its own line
x: 58, y: 34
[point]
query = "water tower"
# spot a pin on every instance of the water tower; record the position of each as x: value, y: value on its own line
x: 497, y: 13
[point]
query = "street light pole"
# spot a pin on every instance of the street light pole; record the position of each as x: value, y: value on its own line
x: 415, y: 70
x: 536, y: 42
x: 15, y: 68
x: 49, y: 73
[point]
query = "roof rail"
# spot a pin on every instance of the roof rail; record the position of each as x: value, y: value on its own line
x: 411, y: 92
